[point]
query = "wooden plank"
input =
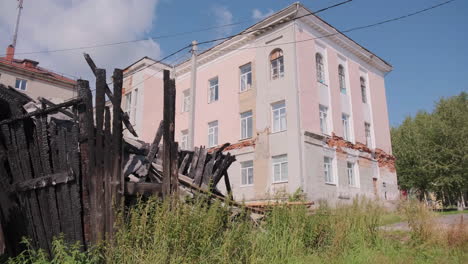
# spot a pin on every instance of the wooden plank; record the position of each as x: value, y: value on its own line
x: 185, y: 162
x: 85, y: 119
x: 155, y: 146
x: 22, y: 150
x: 208, y: 172
x: 50, y: 104
x: 74, y: 188
x: 42, y: 138
x: 46, y: 111
x: 197, y: 179
x: 174, y: 169
x: 45, y: 181
x: 108, y: 170
x: 228, y: 185
x: 118, y: 180
x: 97, y: 179
x: 168, y: 133
x: 133, y: 188
x: 193, y: 165
x: 123, y: 116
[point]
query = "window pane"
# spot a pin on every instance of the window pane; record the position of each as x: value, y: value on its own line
x: 284, y: 171
x: 277, y: 172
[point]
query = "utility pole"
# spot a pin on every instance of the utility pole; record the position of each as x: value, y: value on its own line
x: 15, y: 36
x: 191, y: 134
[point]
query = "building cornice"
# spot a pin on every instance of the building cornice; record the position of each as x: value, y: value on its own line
x: 37, y: 76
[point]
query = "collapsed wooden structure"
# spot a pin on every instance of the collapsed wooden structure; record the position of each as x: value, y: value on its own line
x: 63, y: 167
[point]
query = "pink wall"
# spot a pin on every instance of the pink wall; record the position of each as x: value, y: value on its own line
x: 308, y: 90
x: 152, y: 107
x: 379, y: 108
x: 334, y: 91
x: 225, y: 110
x: 356, y: 99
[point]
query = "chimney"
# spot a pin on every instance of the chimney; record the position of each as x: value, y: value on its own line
x: 10, y: 52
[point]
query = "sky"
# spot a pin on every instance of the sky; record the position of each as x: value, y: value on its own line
x: 428, y: 51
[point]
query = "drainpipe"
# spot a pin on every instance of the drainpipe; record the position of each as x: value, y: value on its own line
x: 193, y: 72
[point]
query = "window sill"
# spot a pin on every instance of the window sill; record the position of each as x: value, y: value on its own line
x: 245, y: 139
x: 323, y: 83
x: 276, y: 132
x: 245, y: 186
x: 330, y: 183
x: 246, y: 90
x: 280, y: 182
x: 355, y: 187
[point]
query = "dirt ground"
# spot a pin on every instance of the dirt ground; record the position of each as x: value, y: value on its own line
x: 443, y: 221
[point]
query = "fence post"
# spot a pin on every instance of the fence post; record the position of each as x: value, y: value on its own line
x: 168, y: 134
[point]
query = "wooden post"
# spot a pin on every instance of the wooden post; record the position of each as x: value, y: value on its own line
x: 98, y: 178
x: 168, y: 133
x: 85, y: 118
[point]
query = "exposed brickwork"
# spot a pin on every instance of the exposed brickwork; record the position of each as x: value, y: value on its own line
x: 384, y: 159
x: 239, y: 145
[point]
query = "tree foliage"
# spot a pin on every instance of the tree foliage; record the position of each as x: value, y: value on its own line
x: 432, y: 149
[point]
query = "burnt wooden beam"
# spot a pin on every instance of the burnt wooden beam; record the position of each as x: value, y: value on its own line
x: 51, y: 104
x: 133, y: 188
x: 198, y: 175
x: 46, y: 111
x: 45, y: 181
x: 174, y: 168
x: 168, y: 131
x: 125, y: 118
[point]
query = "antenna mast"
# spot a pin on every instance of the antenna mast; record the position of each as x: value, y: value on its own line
x: 15, y: 36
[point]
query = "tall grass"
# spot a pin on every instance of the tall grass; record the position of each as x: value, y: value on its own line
x: 202, y: 231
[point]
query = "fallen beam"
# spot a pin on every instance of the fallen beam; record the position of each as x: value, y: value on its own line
x: 41, y: 182
x: 50, y: 104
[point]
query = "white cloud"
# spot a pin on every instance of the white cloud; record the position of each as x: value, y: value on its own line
x: 223, y: 17
x: 58, y: 24
x: 258, y: 15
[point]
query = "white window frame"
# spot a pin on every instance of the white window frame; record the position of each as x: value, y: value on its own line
x: 352, y: 174
x: 320, y: 68
x: 278, y: 114
x: 133, y: 118
x: 342, y: 79
x: 213, y: 90
x: 363, y: 85
x: 323, y: 115
x: 280, y: 162
x: 21, y: 82
x: 345, y: 121
x: 368, y: 134
x: 328, y: 170
x: 245, y: 78
x: 246, y: 124
x: 277, y: 66
x: 247, y: 173
x: 186, y: 101
x: 184, y: 139
x: 128, y: 104
x: 213, y: 134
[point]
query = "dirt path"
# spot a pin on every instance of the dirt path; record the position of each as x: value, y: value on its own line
x: 444, y: 221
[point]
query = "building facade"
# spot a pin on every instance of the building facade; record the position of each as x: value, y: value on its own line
x: 26, y: 76
x: 303, y: 106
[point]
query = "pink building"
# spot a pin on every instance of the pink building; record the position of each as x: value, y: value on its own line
x: 302, y: 111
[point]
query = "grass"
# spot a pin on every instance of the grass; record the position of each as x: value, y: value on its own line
x: 199, y: 231
x: 452, y: 212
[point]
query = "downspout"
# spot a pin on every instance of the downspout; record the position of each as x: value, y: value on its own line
x: 298, y: 108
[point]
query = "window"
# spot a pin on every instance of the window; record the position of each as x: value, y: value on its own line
x: 323, y: 112
x: 245, y: 77
x: 186, y: 102
x: 212, y: 134
x: 342, y: 79
x: 320, y: 68
x: 133, y: 117
x: 328, y: 170
x: 184, y: 139
x: 279, y: 116
x: 350, y: 170
x: 368, y: 134
x: 345, y: 121
x: 246, y: 125
x: 363, y: 90
x: 247, y: 172
x: 213, y: 93
x: 128, y: 103
x: 277, y: 64
x: 280, y: 168
x: 21, y: 84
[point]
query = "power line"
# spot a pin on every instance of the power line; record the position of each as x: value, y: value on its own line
x: 276, y: 24
x: 159, y: 37
x: 337, y: 33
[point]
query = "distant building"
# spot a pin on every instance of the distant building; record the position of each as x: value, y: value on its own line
x: 303, y: 105
x: 26, y: 76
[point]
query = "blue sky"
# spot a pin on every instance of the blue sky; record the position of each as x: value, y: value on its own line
x: 429, y: 51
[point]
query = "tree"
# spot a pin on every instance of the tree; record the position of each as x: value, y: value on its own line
x: 432, y: 150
